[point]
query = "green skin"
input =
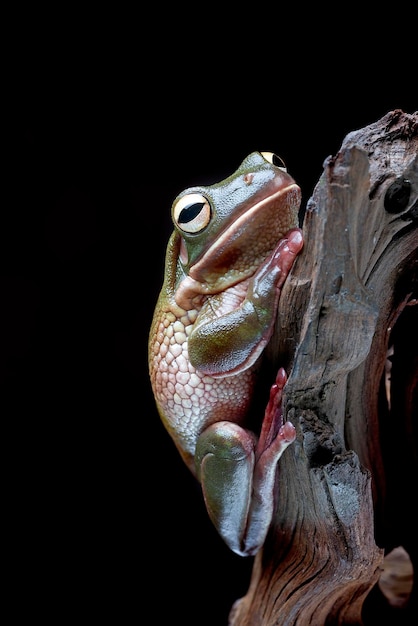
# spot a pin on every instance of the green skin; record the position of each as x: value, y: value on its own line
x: 233, y: 246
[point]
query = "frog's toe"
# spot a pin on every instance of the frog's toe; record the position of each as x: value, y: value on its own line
x: 275, y: 435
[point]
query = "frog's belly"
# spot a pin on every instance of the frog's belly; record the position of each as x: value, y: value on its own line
x: 190, y: 400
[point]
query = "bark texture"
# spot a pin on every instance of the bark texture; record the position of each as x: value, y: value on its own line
x: 346, y: 490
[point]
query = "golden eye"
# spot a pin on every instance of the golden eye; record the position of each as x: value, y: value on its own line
x: 274, y: 160
x: 192, y: 213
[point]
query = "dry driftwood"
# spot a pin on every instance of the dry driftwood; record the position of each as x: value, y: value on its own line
x: 342, y: 491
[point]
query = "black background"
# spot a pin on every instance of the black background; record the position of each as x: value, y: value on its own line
x: 110, y: 120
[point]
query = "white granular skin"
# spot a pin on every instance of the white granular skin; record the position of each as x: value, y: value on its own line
x: 189, y: 400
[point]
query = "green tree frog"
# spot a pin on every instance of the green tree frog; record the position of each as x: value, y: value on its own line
x: 232, y: 248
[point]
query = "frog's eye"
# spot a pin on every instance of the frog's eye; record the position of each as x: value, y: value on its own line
x: 274, y: 160
x: 192, y: 212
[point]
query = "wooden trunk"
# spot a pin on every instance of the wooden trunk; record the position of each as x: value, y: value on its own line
x: 346, y: 490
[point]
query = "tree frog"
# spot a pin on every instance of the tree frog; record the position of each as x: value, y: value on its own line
x: 232, y: 248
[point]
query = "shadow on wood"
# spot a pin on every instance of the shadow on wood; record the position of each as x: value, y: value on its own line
x: 346, y: 488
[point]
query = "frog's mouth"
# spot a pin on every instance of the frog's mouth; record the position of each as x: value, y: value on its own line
x: 244, y: 245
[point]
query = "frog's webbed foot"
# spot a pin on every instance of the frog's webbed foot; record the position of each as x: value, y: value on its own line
x: 238, y: 473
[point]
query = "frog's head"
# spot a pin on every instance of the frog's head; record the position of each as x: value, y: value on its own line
x: 228, y: 229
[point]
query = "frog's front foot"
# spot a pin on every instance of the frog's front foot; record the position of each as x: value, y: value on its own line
x: 238, y: 473
x: 287, y: 251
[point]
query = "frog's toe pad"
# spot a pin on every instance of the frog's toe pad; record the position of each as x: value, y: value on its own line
x: 287, y: 432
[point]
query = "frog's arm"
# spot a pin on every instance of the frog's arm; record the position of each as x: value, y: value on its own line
x: 224, y: 343
x: 238, y: 474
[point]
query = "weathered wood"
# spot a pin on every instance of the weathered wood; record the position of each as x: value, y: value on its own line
x: 347, y: 292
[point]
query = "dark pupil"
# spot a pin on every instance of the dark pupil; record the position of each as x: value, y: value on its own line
x: 397, y: 196
x: 277, y: 161
x: 189, y: 212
